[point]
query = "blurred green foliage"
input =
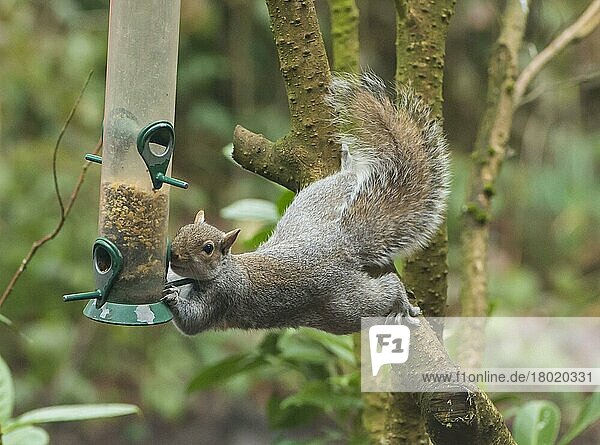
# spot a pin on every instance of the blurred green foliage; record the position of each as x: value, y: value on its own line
x: 22, y: 430
x: 319, y: 368
x: 537, y: 422
x: 544, y: 252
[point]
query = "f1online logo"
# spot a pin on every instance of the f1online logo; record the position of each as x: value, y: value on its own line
x: 388, y: 344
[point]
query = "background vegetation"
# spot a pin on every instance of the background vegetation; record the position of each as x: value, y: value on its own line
x: 544, y: 256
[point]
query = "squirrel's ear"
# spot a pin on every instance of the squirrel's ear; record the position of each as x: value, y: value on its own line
x: 199, y: 217
x: 229, y: 239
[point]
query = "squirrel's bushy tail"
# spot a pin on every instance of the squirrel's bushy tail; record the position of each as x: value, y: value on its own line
x: 399, y: 154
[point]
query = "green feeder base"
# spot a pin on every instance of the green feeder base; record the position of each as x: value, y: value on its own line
x: 128, y: 314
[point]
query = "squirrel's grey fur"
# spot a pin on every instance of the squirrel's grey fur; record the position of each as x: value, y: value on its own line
x: 329, y: 261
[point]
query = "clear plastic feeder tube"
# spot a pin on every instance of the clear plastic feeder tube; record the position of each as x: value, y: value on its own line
x: 140, y: 90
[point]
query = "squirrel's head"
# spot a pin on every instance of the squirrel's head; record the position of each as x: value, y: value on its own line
x: 198, y: 249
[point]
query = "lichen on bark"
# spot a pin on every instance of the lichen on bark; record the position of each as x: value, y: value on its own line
x: 489, y: 152
x: 420, y: 50
x: 308, y: 152
x: 344, y: 35
x: 421, y: 28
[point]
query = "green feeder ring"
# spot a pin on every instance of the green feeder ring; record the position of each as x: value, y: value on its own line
x: 155, y: 145
x: 129, y: 314
x: 108, y: 262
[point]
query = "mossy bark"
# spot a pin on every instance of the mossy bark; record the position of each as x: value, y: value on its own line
x: 344, y: 35
x: 390, y: 418
x: 308, y: 152
x: 421, y: 46
x: 420, y: 49
x: 344, y: 16
x: 488, y: 155
x: 472, y: 418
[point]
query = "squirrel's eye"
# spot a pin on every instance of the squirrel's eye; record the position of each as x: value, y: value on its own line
x: 208, y: 248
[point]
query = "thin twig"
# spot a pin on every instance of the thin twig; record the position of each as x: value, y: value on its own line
x: 554, y: 86
x: 64, y: 209
x: 582, y: 27
x: 58, y: 141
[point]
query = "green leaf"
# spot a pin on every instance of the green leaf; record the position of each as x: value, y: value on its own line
x: 64, y: 413
x: 284, y: 201
x: 341, y: 345
x: 5, y: 320
x: 347, y: 382
x: 290, y: 416
x: 7, y: 392
x: 320, y: 394
x: 251, y: 209
x: 268, y: 345
x: 225, y: 370
x: 260, y: 236
x: 27, y: 435
x: 330, y: 437
x: 589, y: 414
x: 296, y: 347
x: 537, y: 423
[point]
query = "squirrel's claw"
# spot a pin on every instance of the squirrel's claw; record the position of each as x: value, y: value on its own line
x: 170, y: 294
x: 410, y: 319
x: 406, y: 310
x: 414, y: 311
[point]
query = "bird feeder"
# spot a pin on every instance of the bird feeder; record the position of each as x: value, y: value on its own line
x: 130, y: 254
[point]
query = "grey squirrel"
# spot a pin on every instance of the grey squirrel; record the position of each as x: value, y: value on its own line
x: 329, y: 261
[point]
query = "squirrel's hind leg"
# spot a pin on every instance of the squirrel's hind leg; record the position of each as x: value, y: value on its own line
x: 403, y: 309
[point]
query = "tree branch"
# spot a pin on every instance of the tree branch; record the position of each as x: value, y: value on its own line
x: 459, y: 417
x: 64, y: 209
x: 308, y: 152
x: 505, y: 91
x: 505, y: 94
x: 420, y: 49
x: 464, y: 417
x: 583, y: 26
x: 488, y: 154
x: 421, y: 28
x: 554, y: 86
x: 345, y: 44
x: 344, y: 35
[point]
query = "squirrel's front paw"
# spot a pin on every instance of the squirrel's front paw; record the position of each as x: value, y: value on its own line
x: 170, y: 295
